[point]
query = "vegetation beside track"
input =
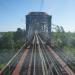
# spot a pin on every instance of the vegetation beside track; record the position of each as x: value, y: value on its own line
x: 63, y: 39
x: 69, y: 50
x: 5, y: 56
x: 1, y: 66
x: 12, y: 40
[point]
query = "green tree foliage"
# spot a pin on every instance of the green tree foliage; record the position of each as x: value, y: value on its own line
x: 13, y: 40
x: 19, y: 34
x: 19, y: 37
x: 6, y: 40
x: 70, y: 38
x: 59, y: 36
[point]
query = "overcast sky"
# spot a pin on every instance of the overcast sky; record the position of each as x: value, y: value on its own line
x: 12, y: 13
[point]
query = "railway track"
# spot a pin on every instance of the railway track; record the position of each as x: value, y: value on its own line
x: 39, y: 59
x: 66, y: 58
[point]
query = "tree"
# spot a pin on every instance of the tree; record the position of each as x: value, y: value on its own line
x: 19, y: 37
x: 11, y: 40
x: 59, y: 36
x: 6, y: 40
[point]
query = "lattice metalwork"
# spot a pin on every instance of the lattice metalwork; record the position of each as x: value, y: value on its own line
x: 38, y: 21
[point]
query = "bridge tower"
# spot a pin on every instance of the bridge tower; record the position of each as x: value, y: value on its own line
x: 40, y: 22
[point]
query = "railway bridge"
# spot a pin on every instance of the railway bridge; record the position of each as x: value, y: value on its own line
x: 36, y: 56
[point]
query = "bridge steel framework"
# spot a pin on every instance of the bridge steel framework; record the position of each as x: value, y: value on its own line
x: 38, y: 22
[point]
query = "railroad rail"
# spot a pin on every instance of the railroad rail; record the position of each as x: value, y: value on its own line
x: 37, y: 58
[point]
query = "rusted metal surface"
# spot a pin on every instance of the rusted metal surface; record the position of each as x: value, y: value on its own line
x: 64, y: 65
x: 40, y: 59
x: 19, y: 65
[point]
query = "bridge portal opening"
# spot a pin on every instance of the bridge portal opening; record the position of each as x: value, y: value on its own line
x: 40, y: 22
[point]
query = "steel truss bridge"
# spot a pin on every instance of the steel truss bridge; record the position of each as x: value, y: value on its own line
x: 37, y: 57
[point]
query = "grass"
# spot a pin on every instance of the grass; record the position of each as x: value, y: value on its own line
x: 70, y: 50
x: 1, y: 66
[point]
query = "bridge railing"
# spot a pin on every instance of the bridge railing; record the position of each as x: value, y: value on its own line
x: 9, y: 67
